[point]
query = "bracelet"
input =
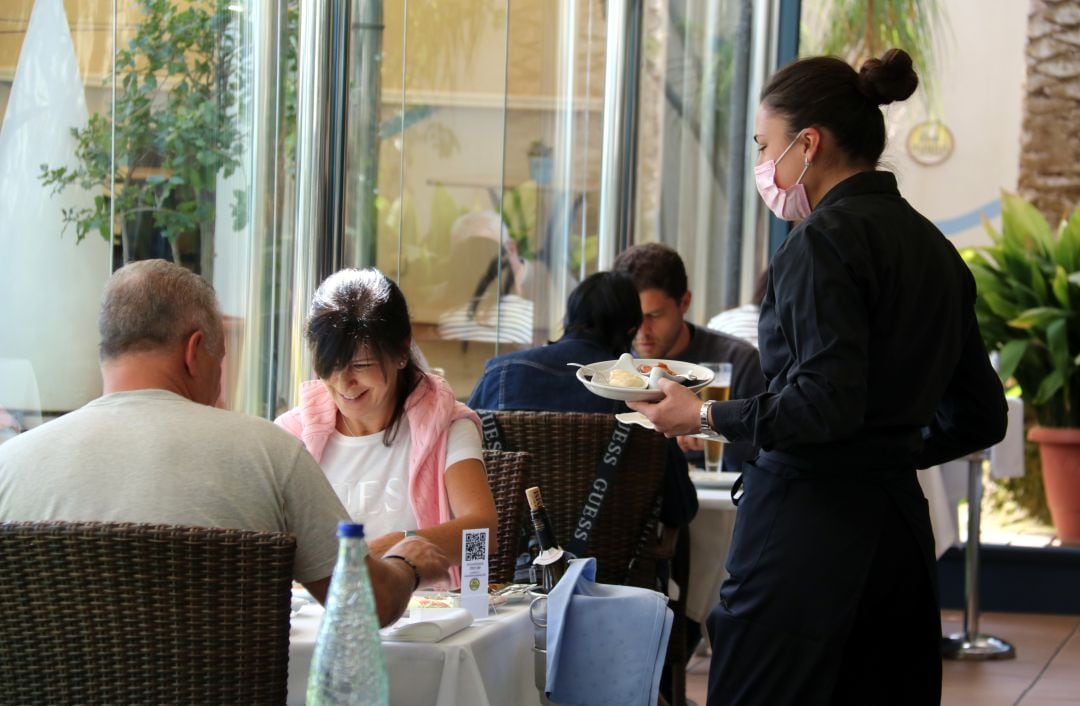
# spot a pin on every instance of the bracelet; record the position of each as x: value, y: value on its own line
x: 415, y: 571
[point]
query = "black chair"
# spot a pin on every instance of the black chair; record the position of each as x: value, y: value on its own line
x: 138, y: 613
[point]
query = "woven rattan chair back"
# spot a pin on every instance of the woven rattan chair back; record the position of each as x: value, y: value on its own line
x: 133, y: 613
x: 506, y: 472
x: 565, y: 449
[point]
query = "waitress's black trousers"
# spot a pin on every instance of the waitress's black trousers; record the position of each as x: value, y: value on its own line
x: 832, y: 597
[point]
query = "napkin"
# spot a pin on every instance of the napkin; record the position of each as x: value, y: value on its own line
x: 605, y: 644
x: 1007, y: 456
x: 432, y: 625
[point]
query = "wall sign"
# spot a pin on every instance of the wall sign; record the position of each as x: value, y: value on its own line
x: 930, y: 143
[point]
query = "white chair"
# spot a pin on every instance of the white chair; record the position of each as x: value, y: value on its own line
x: 20, y: 403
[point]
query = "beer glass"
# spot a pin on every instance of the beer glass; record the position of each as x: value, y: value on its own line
x: 720, y: 390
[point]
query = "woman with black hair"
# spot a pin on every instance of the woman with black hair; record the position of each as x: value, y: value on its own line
x: 875, y: 368
x: 402, y: 453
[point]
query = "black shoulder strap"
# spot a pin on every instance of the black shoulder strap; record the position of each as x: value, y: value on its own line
x: 605, y: 475
x: 493, y: 436
x: 606, y: 466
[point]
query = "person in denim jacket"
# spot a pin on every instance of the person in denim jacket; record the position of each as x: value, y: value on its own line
x: 602, y: 316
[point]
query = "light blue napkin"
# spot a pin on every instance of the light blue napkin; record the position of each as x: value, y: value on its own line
x: 605, y: 644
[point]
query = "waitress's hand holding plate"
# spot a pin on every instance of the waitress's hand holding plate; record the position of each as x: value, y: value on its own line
x: 676, y: 413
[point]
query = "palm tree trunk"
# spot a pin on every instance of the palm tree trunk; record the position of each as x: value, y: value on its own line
x: 1049, y: 151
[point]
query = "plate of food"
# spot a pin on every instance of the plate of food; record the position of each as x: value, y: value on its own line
x: 636, y: 379
x: 433, y: 599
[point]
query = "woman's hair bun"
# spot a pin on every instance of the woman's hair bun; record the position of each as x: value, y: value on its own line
x: 890, y: 78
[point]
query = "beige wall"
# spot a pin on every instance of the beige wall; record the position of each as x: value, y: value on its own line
x: 981, y: 80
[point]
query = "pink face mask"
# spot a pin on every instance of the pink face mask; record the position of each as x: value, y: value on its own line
x: 788, y: 204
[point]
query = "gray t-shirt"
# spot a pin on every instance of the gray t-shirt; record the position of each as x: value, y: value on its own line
x: 154, y: 456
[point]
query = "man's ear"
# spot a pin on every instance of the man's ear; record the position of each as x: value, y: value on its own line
x: 684, y: 303
x: 191, y: 350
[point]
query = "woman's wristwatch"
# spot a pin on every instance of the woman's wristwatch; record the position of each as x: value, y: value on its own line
x: 705, y: 427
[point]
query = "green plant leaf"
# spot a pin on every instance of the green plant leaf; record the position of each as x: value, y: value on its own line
x: 1038, y: 284
x: 1023, y: 224
x: 1027, y: 306
x: 1039, y: 316
x: 995, y: 236
x: 1061, y: 287
x: 1010, y: 356
x: 1048, y: 388
x: 1057, y: 342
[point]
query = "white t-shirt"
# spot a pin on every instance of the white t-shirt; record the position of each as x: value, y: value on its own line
x: 372, y: 480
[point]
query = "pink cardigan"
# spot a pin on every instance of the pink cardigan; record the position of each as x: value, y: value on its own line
x: 430, y: 409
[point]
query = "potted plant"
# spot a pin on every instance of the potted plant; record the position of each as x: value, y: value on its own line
x: 540, y: 163
x: 1028, y: 308
x: 173, y: 130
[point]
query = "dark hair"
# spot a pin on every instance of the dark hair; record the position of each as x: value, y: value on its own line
x: 150, y: 304
x: 363, y: 307
x: 653, y: 266
x: 826, y: 92
x: 605, y: 307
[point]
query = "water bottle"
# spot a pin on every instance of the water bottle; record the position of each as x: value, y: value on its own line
x: 348, y: 666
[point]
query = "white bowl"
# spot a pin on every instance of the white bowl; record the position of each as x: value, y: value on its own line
x: 639, y: 394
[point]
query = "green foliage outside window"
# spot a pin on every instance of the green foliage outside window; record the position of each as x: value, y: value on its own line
x: 177, y: 97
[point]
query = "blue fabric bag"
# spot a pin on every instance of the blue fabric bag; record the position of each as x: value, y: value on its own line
x: 605, y: 643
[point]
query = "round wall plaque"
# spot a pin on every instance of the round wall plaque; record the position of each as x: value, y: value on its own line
x: 930, y: 143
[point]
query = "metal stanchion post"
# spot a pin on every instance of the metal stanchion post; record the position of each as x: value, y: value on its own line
x: 970, y: 644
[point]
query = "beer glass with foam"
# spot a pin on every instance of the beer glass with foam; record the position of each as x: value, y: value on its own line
x: 718, y: 389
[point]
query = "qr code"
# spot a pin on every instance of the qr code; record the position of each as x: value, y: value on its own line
x: 475, y: 546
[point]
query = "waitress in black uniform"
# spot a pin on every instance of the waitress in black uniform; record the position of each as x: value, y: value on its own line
x: 876, y: 368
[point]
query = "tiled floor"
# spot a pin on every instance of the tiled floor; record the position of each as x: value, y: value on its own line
x: 1046, y: 671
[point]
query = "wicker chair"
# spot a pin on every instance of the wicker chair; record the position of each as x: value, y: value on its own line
x: 565, y: 448
x: 137, y: 613
x: 507, y: 472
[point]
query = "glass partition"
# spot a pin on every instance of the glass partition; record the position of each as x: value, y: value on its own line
x: 484, y: 147
x: 55, y: 74
x: 701, y: 66
x: 142, y: 129
x: 473, y: 158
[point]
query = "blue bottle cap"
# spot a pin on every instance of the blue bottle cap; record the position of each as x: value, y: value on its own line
x: 350, y: 529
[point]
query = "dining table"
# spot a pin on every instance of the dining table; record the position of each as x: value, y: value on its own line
x: 488, y: 663
x: 710, y: 539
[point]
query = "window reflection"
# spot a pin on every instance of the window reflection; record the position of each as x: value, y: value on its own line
x: 488, y: 156
x: 142, y: 150
x: 481, y: 111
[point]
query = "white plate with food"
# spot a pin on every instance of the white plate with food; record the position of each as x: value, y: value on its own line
x: 635, y: 379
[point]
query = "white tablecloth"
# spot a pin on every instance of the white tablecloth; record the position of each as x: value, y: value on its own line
x: 489, y: 663
x: 710, y: 537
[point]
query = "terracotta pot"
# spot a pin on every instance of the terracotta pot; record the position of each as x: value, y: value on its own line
x: 1059, y: 450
